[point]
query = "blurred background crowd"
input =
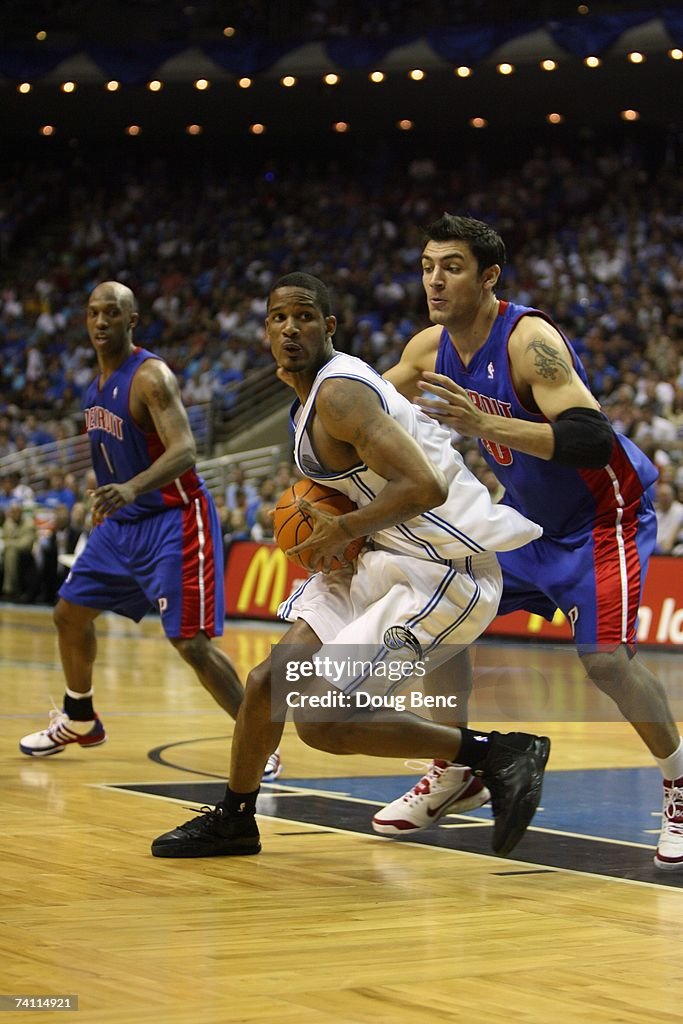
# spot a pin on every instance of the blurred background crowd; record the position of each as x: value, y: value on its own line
x: 593, y: 226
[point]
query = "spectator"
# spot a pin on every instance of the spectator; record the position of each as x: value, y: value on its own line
x: 58, y: 491
x: 285, y: 475
x: 6, y: 488
x: 21, y: 492
x: 669, y: 512
x: 239, y: 489
x: 56, y: 552
x: 19, y: 578
x: 7, y: 446
x: 262, y: 530
x: 265, y: 499
x: 237, y: 520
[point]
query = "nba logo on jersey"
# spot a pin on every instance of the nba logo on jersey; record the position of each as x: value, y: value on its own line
x: 490, y: 369
x: 163, y: 605
x: 115, y: 391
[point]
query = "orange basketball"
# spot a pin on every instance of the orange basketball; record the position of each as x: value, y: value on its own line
x: 292, y: 526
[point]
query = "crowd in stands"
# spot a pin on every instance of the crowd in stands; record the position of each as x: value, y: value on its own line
x: 594, y: 237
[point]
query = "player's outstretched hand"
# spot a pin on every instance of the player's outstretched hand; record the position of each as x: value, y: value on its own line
x: 451, y: 405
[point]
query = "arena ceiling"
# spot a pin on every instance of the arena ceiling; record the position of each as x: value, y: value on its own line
x: 442, y: 102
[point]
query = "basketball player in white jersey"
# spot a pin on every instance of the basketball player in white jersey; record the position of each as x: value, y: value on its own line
x: 429, y: 580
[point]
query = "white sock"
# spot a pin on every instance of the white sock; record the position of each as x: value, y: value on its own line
x: 77, y: 696
x: 671, y: 767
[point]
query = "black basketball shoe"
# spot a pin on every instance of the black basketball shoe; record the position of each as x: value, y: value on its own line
x: 211, y: 834
x: 513, y: 772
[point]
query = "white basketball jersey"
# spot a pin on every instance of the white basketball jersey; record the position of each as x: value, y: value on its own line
x: 467, y: 523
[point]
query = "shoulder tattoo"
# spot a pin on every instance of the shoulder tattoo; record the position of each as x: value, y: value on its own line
x: 160, y: 391
x: 549, y: 363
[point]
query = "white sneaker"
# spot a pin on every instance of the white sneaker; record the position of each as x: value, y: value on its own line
x: 60, y: 732
x: 445, y: 789
x: 273, y: 768
x: 669, y: 855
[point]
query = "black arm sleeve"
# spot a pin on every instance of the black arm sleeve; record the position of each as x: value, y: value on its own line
x: 583, y: 439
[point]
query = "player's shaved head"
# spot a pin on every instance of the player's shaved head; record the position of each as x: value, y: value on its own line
x: 114, y: 290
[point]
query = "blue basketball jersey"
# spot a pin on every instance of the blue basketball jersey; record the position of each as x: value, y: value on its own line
x: 120, y: 448
x: 561, y: 498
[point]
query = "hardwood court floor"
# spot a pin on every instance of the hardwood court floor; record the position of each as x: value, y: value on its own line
x: 329, y: 923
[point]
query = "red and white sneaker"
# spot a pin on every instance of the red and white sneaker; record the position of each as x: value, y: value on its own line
x: 445, y: 789
x: 273, y: 769
x: 669, y: 855
x: 60, y: 732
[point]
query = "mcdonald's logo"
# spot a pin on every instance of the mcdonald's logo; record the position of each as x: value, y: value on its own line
x: 266, y: 577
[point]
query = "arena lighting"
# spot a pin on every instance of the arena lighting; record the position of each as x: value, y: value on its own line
x: 630, y: 115
x: 24, y: 87
x: 228, y: 31
x: 68, y: 87
x: 341, y: 127
x: 505, y: 69
x: 155, y: 85
x: 554, y: 118
x: 417, y: 74
x: 194, y: 129
x: 331, y: 79
x: 405, y: 125
x: 583, y: 9
x: 636, y: 58
x: 478, y: 122
x: 548, y: 65
x: 41, y: 36
x: 113, y: 86
x: 133, y: 129
x: 257, y: 129
x: 676, y: 54
x: 201, y: 84
x: 376, y: 76
x: 47, y: 129
x: 463, y: 71
x: 592, y: 62
x: 244, y: 83
x: 288, y: 81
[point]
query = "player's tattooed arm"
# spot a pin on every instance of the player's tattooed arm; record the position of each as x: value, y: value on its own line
x: 544, y: 375
x: 549, y: 362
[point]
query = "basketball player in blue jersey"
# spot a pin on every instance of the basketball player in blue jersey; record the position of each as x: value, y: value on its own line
x: 157, y: 542
x: 423, y: 582
x: 505, y: 374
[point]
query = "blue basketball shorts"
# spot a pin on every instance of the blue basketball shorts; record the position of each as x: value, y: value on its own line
x: 173, y: 560
x: 594, y: 576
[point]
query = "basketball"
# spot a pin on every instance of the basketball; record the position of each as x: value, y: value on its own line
x: 292, y: 526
